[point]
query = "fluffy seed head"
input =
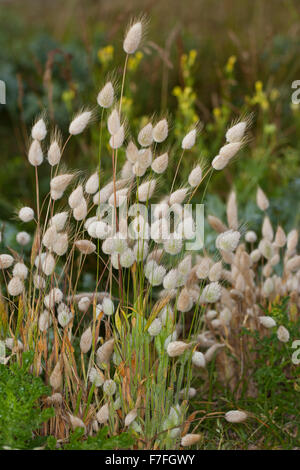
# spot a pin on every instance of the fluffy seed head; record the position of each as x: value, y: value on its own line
x: 236, y: 133
x: 104, y: 353
x: 117, y: 139
x: 92, y: 184
x: 60, y: 245
x: 113, y: 122
x: 130, y: 417
x: 96, y: 377
x: 76, y: 197
x: 105, y: 97
x: 103, y: 414
x: 23, y: 238
x: 44, y: 321
x: 133, y: 38
x: 190, y: 440
x: 15, y: 286
x: 49, y: 238
x: 155, y: 275
x: 170, y: 280
x: 61, y: 182
x: 292, y: 240
x: 280, y: 237
x: 84, y: 304
x: 160, y: 164
x: 80, y: 122
x: 267, y: 322
x: 266, y: 248
x: 215, y: 272
x: 108, y: 306
x: 85, y: 246
x: 48, y: 264
x: 198, y: 359
x: 58, y: 220
x: 127, y: 258
x: 54, y: 153
x: 160, y: 131
x: 189, y: 140
x: 109, y: 387
x: 220, y: 162
x: 80, y: 211
x: 211, y: 293
x: 261, y: 200
x: 178, y: 196
x: 176, y: 348
x: 39, y: 131
x: 146, y: 190
x: 267, y: 230
x: 56, y: 376
x: 228, y: 151
x: 76, y: 422
x: 173, y: 245
x: 86, y: 340
x: 145, y: 137
x: 26, y: 214
x: 228, y: 241
x: 184, y: 301
x: 282, y: 334
x: 132, y: 152
x: 203, y: 268
x: 250, y: 236
x: 195, y: 176
x: 20, y: 270
x: 155, y: 327
x: 235, y: 416
x: 64, y: 315
x: 6, y: 261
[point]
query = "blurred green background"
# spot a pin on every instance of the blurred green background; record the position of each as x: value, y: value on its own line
x: 207, y: 60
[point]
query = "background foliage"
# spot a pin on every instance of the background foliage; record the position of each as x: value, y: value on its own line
x: 210, y: 61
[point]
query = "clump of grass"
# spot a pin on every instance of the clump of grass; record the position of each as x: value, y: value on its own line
x: 124, y: 355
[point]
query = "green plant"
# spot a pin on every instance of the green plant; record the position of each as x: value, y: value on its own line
x: 20, y: 409
x: 99, y: 442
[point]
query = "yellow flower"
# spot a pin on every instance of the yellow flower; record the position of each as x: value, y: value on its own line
x: 106, y: 54
x: 230, y: 63
x: 134, y: 61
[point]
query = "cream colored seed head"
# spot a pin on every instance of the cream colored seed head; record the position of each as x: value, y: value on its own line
x: 80, y: 122
x: 189, y: 140
x: 160, y: 164
x: 235, y: 416
x: 190, y: 439
x: 113, y: 122
x: 86, y: 340
x: 6, y: 261
x: 116, y: 140
x: 261, y: 200
x: 195, y: 176
x: 160, y: 131
x: 236, y: 132
x: 39, y: 131
x: 15, y: 286
x: 145, y: 137
x: 92, y: 184
x: 35, y: 153
x: 76, y: 197
x: 54, y: 153
x: 133, y: 38
x: 105, y: 97
x: 80, y: 211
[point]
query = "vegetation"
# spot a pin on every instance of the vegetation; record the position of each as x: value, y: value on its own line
x: 118, y: 327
